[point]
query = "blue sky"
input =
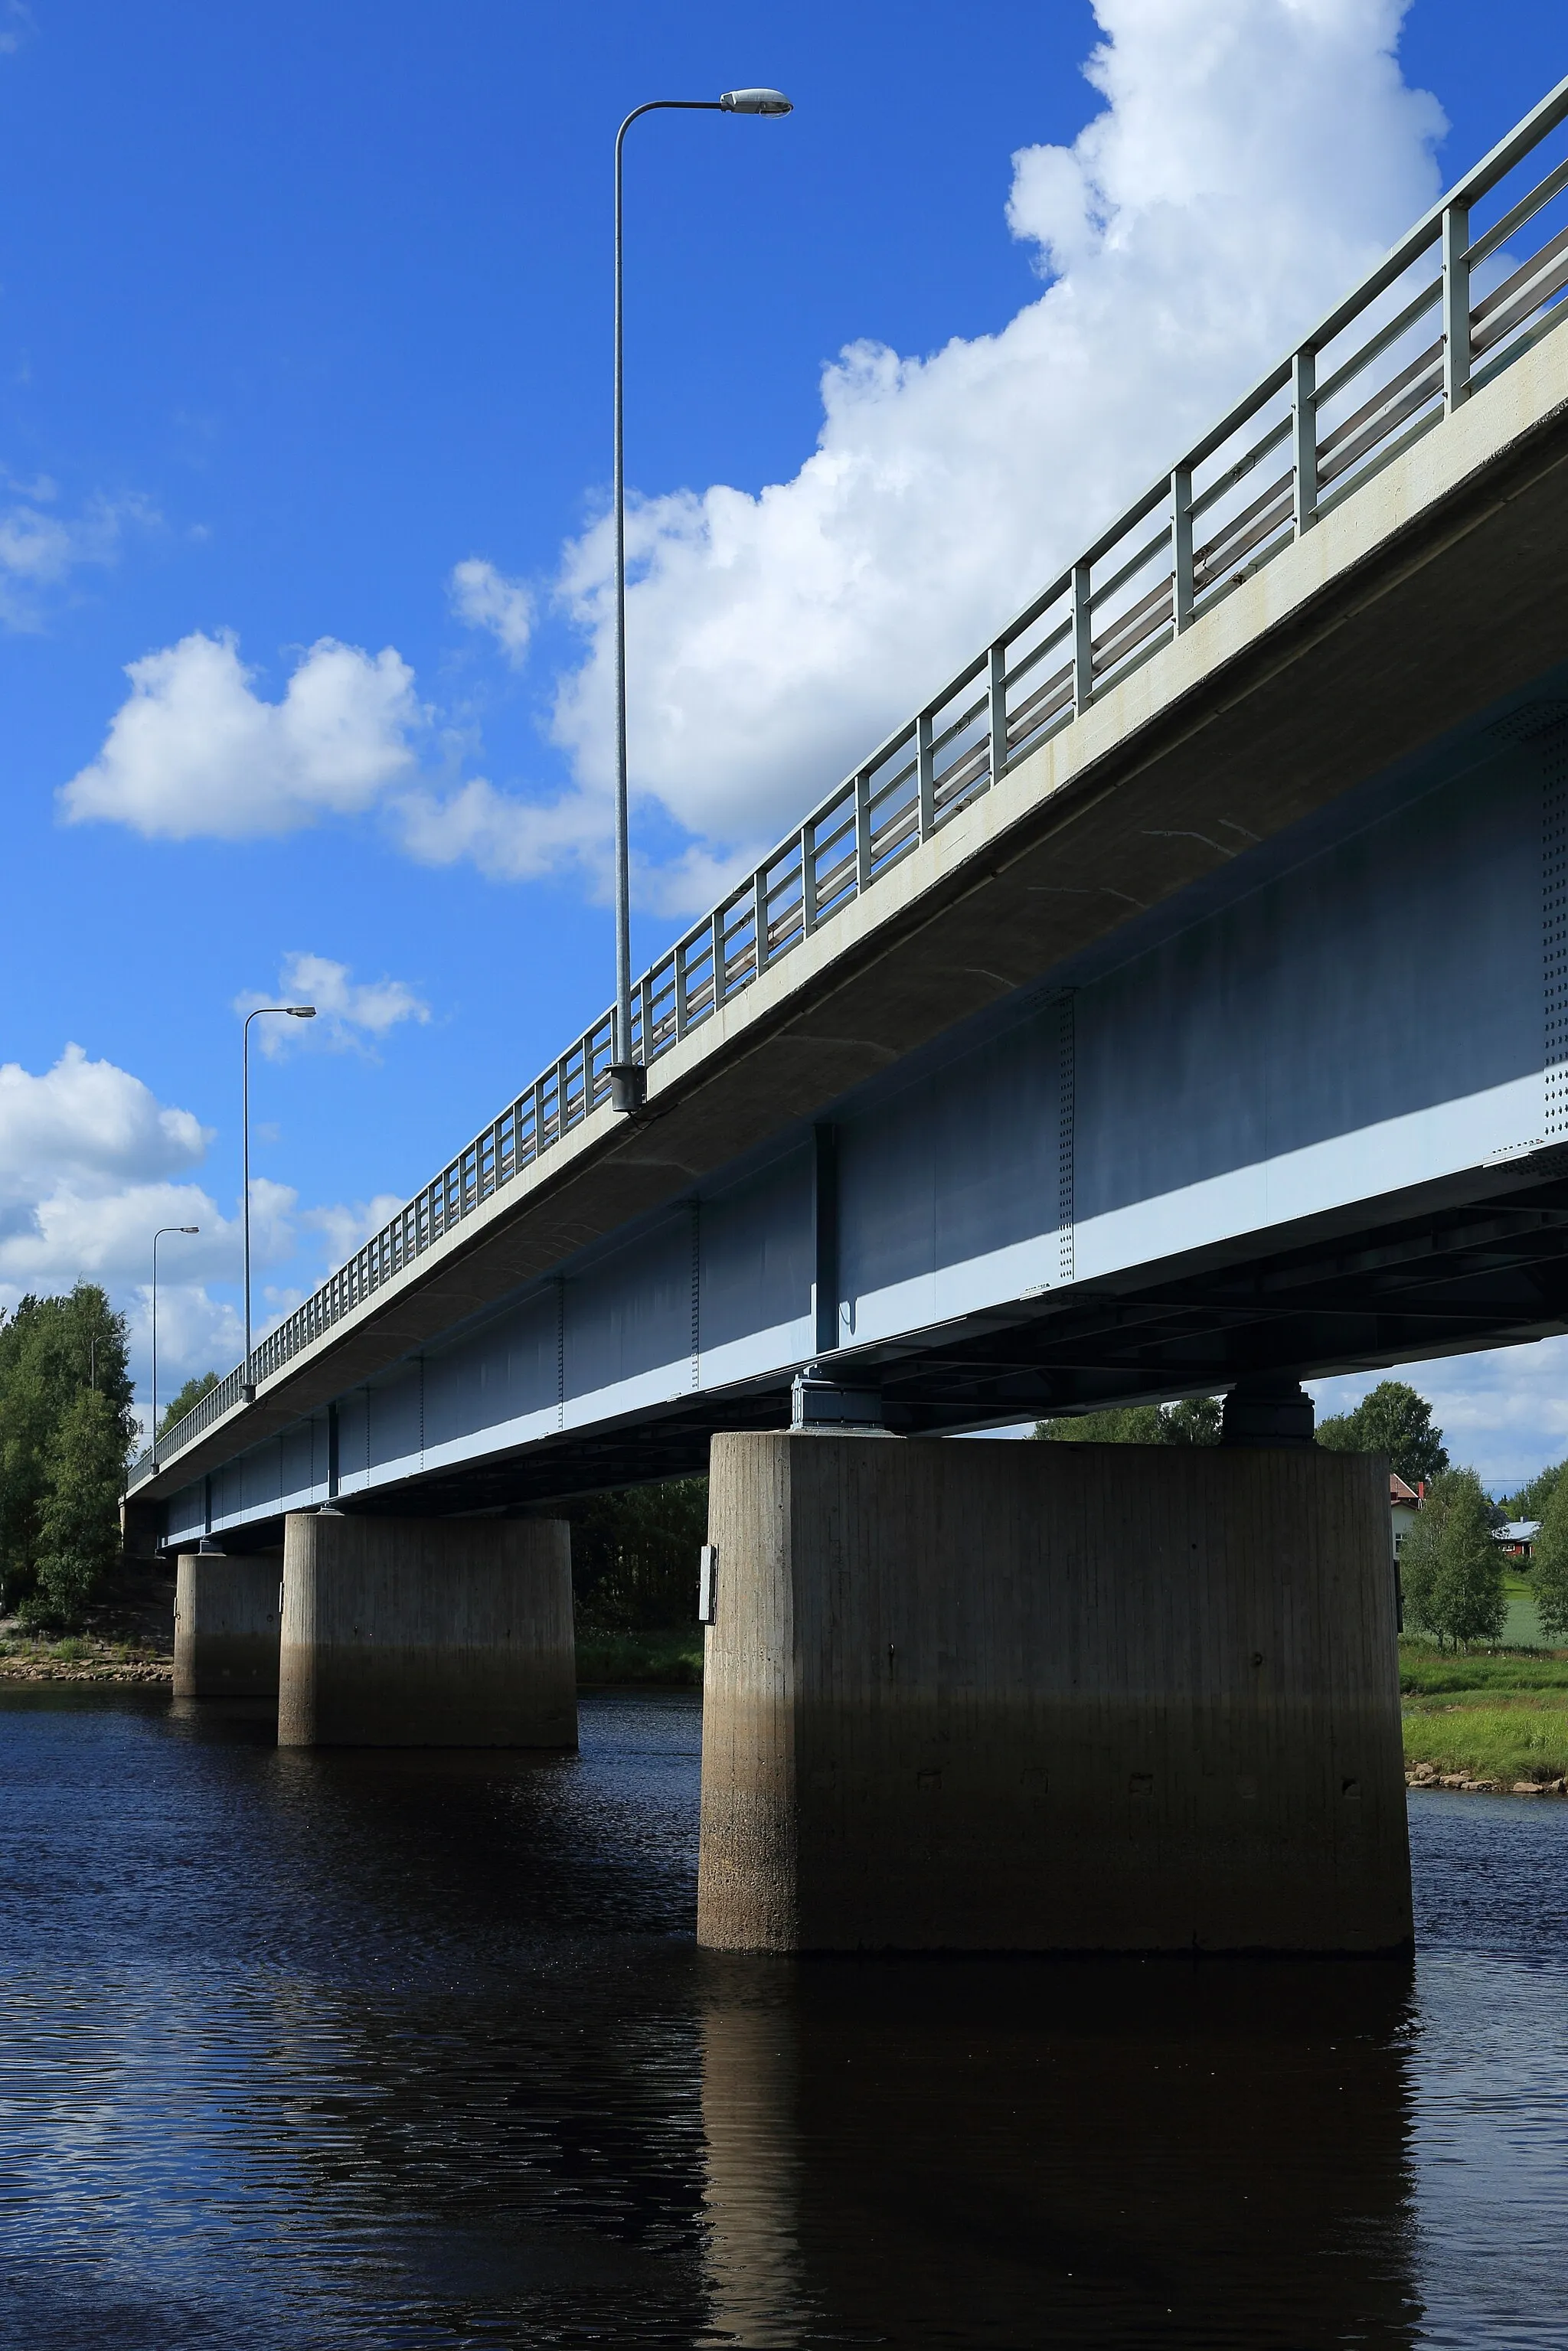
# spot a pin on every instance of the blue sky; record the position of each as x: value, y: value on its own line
x: 304, y: 413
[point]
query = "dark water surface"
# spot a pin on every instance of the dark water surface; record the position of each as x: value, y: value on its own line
x: 309, y: 2049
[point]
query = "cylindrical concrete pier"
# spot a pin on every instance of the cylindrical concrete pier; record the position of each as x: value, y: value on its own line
x: 1050, y: 1697
x: 427, y: 1633
x: 225, y: 1625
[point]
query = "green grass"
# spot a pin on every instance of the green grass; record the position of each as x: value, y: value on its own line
x: 1521, y: 1738
x: 1522, y: 1630
x: 1426, y: 1672
x: 669, y: 1659
x: 1491, y: 1716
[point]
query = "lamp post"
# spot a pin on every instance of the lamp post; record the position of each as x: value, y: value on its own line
x: 157, y: 1237
x: 294, y: 1012
x: 628, y: 1078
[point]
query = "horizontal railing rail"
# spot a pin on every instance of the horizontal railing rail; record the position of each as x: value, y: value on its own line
x: 1146, y: 580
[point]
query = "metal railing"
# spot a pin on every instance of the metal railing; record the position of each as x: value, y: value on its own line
x: 1446, y: 311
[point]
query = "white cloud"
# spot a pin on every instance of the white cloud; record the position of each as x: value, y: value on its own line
x: 346, y: 1012
x: 1503, y: 1412
x: 91, y: 1125
x: 348, y: 1224
x: 91, y: 1164
x: 195, y: 752
x: 485, y: 598
x: 17, y: 25
x: 1253, y: 159
x: 41, y: 548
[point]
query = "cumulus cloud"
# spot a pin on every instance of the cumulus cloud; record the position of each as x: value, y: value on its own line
x: 195, y: 752
x: 346, y: 1012
x: 92, y: 1163
x: 485, y: 598
x: 1250, y: 160
x: 1503, y: 1412
x: 1253, y: 158
x: 90, y: 1124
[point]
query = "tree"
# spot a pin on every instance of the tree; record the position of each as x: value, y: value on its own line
x: 634, y: 1556
x: 1531, y: 1499
x: 1549, y: 1568
x: 189, y: 1396
x: 78, y: 1525
x: 1451, y: 1570
x: 1194, y: 1421
x: 1393, y: 1420
x: 65, y: 1429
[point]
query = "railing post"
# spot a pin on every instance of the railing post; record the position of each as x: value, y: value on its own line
x: 1456, y: 305
x: 718, y: 971
x: 808, y: 879
x: 646, y: 1007
x: 925, y: 779
x: 1182, y: 583
x: 1304, y: 437
x: 760, y: 921
x: 863, y: 831
x: 683, y: 1009
x: 996, y: 707
x: 1082, y: 639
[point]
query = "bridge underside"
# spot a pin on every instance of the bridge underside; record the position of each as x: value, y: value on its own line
x: 1482, y: 1271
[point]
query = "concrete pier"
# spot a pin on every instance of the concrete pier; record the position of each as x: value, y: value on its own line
x: 427, y: 1633
x: 1050, y: 1697
x: 227, y: 1624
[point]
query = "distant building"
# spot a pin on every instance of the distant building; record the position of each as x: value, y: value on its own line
x: 1404, y: 1501
x: 1518, y: 1538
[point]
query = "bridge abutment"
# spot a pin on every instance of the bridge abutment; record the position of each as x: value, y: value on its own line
x: 1050, y: 1697
x: 225, y: 1625
x: 427, y: 1633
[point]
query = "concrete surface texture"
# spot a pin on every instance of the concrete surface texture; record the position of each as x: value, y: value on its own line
x: 427, y: 1633
x: 1051, y: 1697
x: 226, y: 1626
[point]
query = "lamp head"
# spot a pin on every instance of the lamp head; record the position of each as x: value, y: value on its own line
x: 300, y: 1011
x: 756, y: 101
x: 188, y: 1228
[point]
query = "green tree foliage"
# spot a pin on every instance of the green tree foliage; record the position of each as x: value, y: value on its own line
x: 65, y: 1429
x: 1549, y: 1569
x: 1194, y: 1421
x: 1451, y: 1570
x: 189, y: 1396
x: 1394, y: 1421
x: 1533, y: 1498
x: 634, y: 1556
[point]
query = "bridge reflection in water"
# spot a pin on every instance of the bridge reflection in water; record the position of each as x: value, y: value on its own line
x: 1016, y: 2152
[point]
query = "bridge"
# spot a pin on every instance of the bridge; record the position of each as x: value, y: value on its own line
x: 1176, y: 1003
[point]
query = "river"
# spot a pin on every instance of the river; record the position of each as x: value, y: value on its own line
x: 333, y: 2049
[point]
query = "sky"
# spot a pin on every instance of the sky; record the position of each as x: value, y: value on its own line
x: 304, y: 468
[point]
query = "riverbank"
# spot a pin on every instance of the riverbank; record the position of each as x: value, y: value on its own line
x: 79, y: 1659
x: 605, y: 1660
x: 1495, y: 1723
x: 670, y: 1660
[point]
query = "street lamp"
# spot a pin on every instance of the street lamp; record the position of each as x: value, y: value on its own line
x: 294, y: 1012
x: 157, y: 1237
x: 628, y: 1078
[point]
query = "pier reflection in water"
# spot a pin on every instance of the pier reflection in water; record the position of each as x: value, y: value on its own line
x: 357, y: 2049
